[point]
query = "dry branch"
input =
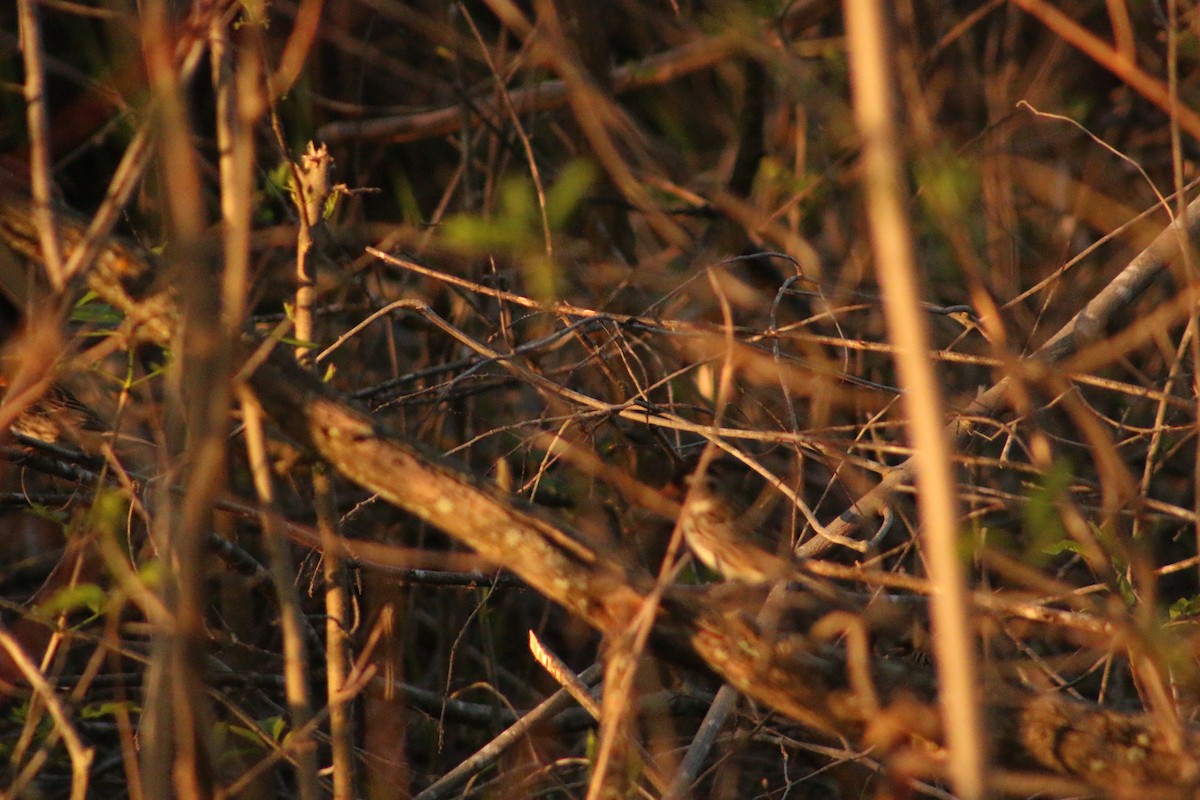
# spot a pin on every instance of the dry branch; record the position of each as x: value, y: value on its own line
x: 652, y: 71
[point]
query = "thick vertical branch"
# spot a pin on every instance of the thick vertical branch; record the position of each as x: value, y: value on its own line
x: 312, y: 191
x: 195, y: 434
x: 894, y: 256
x: 39, y: 144
x: 295, y: 662
x: 311, y: 188
x: 337, y: 637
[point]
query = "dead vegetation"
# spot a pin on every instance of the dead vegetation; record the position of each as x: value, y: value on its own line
x: 361, y: 490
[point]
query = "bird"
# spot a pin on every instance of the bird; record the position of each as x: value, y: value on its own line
x: 55, y: 416
x: 712, y: 528
x: 40, y: 411
x: 719, y: 531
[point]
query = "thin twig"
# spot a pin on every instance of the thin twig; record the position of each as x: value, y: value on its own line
x: 81, y: 757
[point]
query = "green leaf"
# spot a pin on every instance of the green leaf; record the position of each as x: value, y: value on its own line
x: 96, y: 313
x: 516, y: 200
x: 471, y: 232
x: 276, y: 726
x: 332, y: 200
x: 950, y: 184
x: 542, y: 278
x: 87, y: 596
x: 1045, y: 533
x: 515, y: 228
x: 108, y: 709
x: 109, y: 510
x: 1062, y: 546
x: 565, y: 196
x: 152, y: 573
x: 58, y: 516
x: 294, y: 342
x: 279, y: 180
x: 1184, y: 607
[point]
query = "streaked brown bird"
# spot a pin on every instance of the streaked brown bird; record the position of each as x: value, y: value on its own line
x: 712, y: 526
x: 55, y: 416
x: 719, y: 527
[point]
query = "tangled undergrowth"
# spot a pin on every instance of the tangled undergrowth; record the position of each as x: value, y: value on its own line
x: 320, y: 491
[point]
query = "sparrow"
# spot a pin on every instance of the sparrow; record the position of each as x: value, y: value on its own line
x: 712, y: 527
x: 718, y: 534
x: 43, y: 412
x: 56, y: 416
